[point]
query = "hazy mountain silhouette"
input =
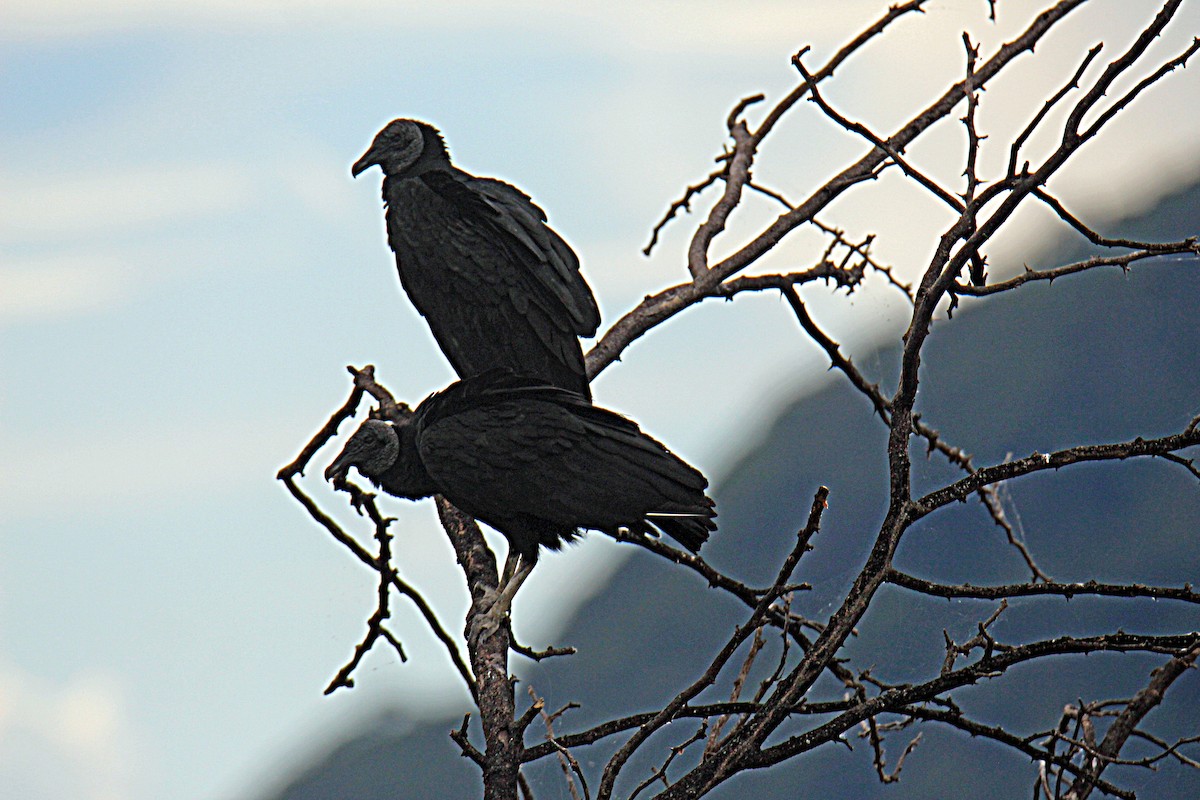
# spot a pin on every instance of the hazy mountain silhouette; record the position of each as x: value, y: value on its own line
x: 1091, y: 358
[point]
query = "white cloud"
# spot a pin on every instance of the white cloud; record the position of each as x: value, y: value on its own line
x: 113, y: 469
x: 54, y: 286
x: 89, y: 231
x: 65, y: 740
x: 679, y: 26
x: 312, y: 181
x: 104, y: 203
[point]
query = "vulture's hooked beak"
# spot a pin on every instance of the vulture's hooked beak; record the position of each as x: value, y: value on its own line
x: 366, y: 162
x: 340, y: 467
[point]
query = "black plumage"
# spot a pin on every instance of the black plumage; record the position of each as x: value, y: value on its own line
x: 536, y: 462
x: 498, y: 287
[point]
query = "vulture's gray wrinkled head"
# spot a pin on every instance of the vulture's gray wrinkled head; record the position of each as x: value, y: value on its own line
x: 373, y: 449
x: 400, y: 145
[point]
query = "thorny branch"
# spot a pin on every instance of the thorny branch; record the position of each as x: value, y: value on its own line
x: 777, y: 590
x: 994, y: 660
x: 1066, y: 591
x: 1127, y: 721
x: 570, y: 766
x: 745, y: 745
x: 364, y: 383
x: 883, y: 407
x: 1121, y: 261
x: 1037, y: 462
x: 375, y: 628
x: 745, y: 734
x: 656, y: 309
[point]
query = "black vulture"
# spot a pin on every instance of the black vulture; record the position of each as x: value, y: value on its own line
x: 536, y: 462
x: 498, y: 287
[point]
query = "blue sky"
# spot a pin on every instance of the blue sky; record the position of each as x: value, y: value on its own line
x: 186, y: 266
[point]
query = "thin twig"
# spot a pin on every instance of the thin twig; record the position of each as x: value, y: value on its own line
x: 1065, y: 590
x: 1122, y: 261
x: 570, y: 767
x: 892, y: 151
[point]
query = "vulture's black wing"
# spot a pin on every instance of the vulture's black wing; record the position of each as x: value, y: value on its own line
x: 556, y: 267
x: 538, y: 464
x: 498, y: 287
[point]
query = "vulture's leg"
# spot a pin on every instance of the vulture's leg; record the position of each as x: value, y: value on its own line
x: 499, y: 603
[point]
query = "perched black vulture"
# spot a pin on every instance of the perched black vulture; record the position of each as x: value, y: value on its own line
x: 497, y: 286
x: 535, y: 462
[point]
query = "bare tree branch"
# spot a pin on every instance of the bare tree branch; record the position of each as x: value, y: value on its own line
x: 996, y: 663
x: 892, y: 153
x: 375, y: 629
x: 1121, y: 261
x: 1065, y: 590
x: 1122, y: 728
x: 1037, y: 462
x: 618, y: 760
x: 364, y: 383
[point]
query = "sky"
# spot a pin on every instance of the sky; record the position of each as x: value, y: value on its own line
x: 186, y: 267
